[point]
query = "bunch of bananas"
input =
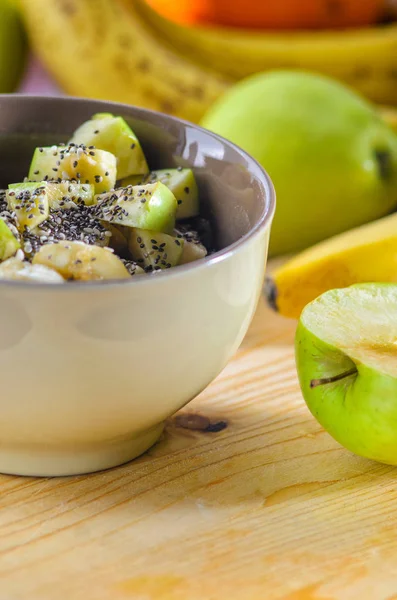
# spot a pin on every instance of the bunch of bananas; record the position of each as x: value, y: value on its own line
x: 122, y: 50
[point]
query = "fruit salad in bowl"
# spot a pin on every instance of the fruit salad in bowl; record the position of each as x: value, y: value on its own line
x: 132, y: 260
x: 90, y: 209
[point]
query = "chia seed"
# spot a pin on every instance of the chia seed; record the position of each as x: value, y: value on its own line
x: 130, y: 265
x: 74, y: 224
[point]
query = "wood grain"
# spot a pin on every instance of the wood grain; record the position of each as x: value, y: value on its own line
x: 269, y: 508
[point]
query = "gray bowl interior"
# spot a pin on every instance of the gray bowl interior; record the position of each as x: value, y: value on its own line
x: 235, y: 192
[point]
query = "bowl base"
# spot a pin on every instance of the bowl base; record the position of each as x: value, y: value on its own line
x: 75, y: 460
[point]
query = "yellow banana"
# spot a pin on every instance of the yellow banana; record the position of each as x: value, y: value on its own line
x: 122, y: 50
x: 366, y: 59
x: 362, y: 255
x: 104, y: 49
x: 389, y: 114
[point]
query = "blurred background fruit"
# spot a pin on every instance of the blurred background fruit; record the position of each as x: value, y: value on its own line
x: 389, y: 114
x: 364, y: 58
x: 273, y: 14
x: 124, y: 50
x: 105, y: 50
x: 392, y: 8
x: 331, y: 157
x: 13, y: 47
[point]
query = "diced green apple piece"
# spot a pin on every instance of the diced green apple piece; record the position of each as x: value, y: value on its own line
x: 154, y: 250
x: 113, y: 134
x: 61, y: 195
x: 151, y: 206
x: 79, y: 163
x: 8, y: 242
x: 182, y: 184
x: 30, y: 205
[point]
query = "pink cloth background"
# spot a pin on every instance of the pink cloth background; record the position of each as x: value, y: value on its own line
x: 37, y: 81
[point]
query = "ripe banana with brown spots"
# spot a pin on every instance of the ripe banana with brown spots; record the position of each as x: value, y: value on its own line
x: 121, y: 50
x: 365, y: 59
x: 104, y: 49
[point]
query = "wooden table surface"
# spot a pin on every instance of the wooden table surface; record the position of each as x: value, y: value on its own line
x: 268, y: 508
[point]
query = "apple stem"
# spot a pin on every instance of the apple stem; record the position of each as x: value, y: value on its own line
x: 316, y: 382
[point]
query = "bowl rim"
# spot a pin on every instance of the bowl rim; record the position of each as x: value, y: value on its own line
x: 262, y: 224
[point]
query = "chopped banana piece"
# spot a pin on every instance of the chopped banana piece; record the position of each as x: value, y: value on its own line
x: 16, y: 269
x: 76, y: 260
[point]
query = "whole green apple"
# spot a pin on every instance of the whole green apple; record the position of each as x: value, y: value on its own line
x: 346, y: 357
x: 331, y: 157
x: 13, y: 46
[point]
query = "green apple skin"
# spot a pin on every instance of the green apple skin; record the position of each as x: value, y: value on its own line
x: 13, y: 46
x: 331, y: 157
x: 359, y: 411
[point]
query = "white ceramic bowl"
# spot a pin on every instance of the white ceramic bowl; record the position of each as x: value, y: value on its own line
x: 90, y: 371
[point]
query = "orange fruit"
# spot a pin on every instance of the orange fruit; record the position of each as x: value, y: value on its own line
x: 273, y: 14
